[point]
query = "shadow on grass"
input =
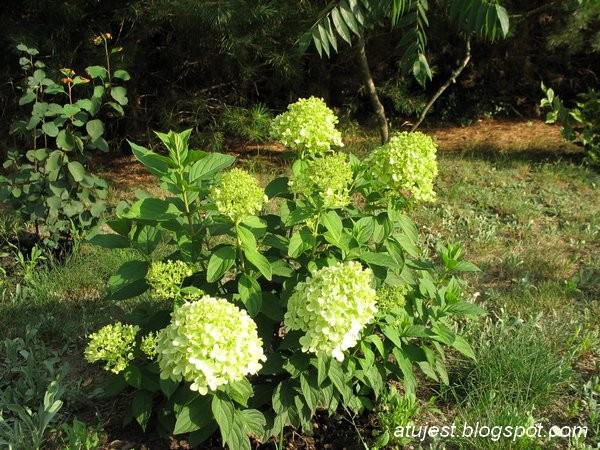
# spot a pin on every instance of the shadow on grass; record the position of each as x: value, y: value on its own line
x: 506, y: 158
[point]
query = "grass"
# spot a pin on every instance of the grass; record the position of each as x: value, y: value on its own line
x: 528, y: 217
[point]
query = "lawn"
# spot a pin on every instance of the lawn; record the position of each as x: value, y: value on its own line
x: 524, y: 209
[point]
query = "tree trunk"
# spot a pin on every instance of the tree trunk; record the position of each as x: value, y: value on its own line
x: 367, y: 78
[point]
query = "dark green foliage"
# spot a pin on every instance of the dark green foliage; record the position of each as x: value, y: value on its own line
x: 47, y: 180
x: 580, y: 124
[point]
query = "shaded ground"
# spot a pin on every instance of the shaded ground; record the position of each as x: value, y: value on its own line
x: 486, y: 135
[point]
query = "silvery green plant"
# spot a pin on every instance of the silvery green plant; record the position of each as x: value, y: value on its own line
x: 48, y: 181
x: 274, y: 316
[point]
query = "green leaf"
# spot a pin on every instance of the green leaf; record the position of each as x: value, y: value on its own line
x: 122, y: 74
x: 77, y: 170
x: 379, y: 259
x: 168, y: 386
x: 278, y: 188
x: 119, y: 93
x: 133, y: 376
x: 310, y: 390
x: 110, y: 241
x: 300, y: 242
x: 95, y: 128
x: 97, y: 72
x: 463, y: 347
x: 466, y: 308
x: 193, y: 415
x: 254, y: 422
x: 259, y: 261
x: 363, y: 229
x: 27, y: 98
x: 155, y: 163
x: 129, y: 280
x: 152, y: 209
x: 239, y: 391
x: 65, y: 140
x: 336, y: 375
x: 246, y: 237
x: 332, y: 222
x: 410, y: 381
x: 50, y: 129
x: 208, y: 166
x: 251, y: 294
x: 392, y: 334
x: 221, y: 260
x: 141, y: 407
x: 146, y: 238
x: 230, y: 423
x: 465, y: 266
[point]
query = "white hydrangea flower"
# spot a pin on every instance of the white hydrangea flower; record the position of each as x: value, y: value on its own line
x: 209, y: 342
x: 307, y: 126
x: 329, y: 176
x: 407, y: 163
x: 332, y: 307
x: 238, y: 195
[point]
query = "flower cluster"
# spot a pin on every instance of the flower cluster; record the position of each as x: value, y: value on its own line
x: 391, y: 297
x: 332, y: 307
x: 238, y: 195
x: 328, y: 176
x: 114, y: 344
x: 166, y: 278
x: 148, y: 345
x: 209, y: 342
x: 307, y: 126
x: 406, y: 164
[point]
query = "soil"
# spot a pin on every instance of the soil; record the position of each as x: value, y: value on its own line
x: 125, y: 173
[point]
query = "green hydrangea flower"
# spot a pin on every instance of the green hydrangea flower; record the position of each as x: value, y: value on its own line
x: 165, y: 278
x: 238, y: 195
x: 307, y: 126
x: 332, y: 307
x: 148, y: 345
x: 405, y: 164
x: 114, y: 344
x: 391, y: 297
x: 209, y: 343
x: 329, y: 176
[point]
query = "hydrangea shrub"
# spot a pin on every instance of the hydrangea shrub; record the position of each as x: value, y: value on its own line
x: 314, y: 306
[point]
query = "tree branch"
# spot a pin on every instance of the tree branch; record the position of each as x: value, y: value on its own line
x: 455, y: 74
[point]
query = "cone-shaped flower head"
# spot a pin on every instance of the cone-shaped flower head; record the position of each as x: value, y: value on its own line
x: 307, y: 126
x: 405, y: 164
x: 209, y: 342
x: 114, y: 344
x: 329, y: 176
x: 238, y: 195
x: 332, y: 307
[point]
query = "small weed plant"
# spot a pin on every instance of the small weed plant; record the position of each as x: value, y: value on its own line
x: 263, y: 319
